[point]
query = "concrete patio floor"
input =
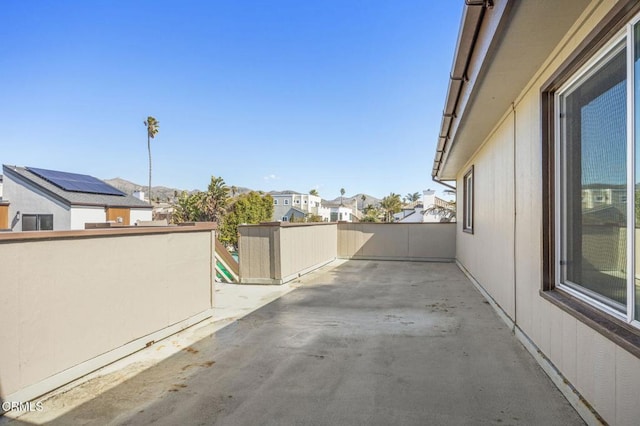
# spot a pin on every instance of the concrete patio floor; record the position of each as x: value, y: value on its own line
x: 363, y: 343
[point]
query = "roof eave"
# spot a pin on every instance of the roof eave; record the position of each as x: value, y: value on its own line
x: 508, y: 50
x: 478, y: 29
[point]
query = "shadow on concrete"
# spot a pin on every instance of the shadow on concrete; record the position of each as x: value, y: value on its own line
x: 368, y: 342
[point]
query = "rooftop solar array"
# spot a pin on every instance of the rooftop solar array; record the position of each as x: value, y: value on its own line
x: 76, y: 183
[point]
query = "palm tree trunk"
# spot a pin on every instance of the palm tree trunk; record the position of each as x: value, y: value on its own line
x: 149, y: 149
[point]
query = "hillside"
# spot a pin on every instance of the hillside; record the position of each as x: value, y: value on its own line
x: 158, y: 191
x: 168, y: 194
x: 369, y: 199
x: 163, y: 192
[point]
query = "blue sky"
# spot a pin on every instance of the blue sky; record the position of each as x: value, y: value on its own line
x: 269, y: 95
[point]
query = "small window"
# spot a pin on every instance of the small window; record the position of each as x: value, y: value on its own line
x: 305, y: 201
x: 275, y: 202
x: 286, y: 202
x: 37, y: 222
x: 285, y: 219
x: 467, y: 205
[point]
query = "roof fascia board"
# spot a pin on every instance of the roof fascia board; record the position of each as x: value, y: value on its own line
x: 476, y: 55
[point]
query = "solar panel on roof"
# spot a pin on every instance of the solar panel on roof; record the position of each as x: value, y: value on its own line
x: 75, y: 182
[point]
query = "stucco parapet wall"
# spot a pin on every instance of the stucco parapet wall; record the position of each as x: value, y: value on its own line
x: 292, y: 225
x: 105, y: 232
x: 424, y: 242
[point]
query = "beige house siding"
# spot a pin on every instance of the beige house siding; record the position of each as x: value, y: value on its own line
x: 488, y: 252
x: 508, y: 244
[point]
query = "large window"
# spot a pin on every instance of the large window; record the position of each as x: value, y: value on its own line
x: 597, y: 171
x: 467, y: 202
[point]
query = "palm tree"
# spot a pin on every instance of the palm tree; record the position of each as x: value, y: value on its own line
x: 215, y: 200
x: 446, y: 211
x: 413, y: 198
x: 152, y: 130
x: 314, y: 192
x: 391, y: 204
x: 234, y: 190
x: 363, y: 198
x: 342, y: 191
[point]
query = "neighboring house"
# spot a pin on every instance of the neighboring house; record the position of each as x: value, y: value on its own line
x: 161, y: 211
x: 340, y: 212
x: 284, y: 201
x: 294, y: 215
x: 408, y: 211
x: 436, y: 210
x: 4, y: 210
x: 597, y: 195
x: 40, y: 199
x: 540, y: 133
x: 288, y: 203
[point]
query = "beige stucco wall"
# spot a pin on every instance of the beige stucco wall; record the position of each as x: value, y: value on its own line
x: 305, y: 247
x: 255, y: 254
x: 278, y: 252
x: 69, y: 299
x: 397, y: 241
x: 505, y: 252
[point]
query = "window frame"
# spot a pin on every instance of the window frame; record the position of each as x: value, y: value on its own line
x: 468, y: 190
x: 624, y: 333
x: 591, y: 67
x: 38, y: 217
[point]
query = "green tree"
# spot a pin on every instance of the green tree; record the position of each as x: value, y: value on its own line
x: 215, y: 200
x: 234, y: 190
x: 314, y: 218
x: 448, y: 211
x: 371, y: 214
x: 248, y: 208
x: 363, y: 198
x: 413, y: 198
x: 152, y: 130
x: 209, y: 206
x: 314, y: 192
x: 187, y: 208
x: 391, y: 204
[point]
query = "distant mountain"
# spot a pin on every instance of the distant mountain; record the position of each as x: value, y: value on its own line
x: 168, y: 194
x: 165, y: 193
x: 369, y: 199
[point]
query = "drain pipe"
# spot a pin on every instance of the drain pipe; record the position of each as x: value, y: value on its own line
x: 437, y: 180
x: 515, y: 217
